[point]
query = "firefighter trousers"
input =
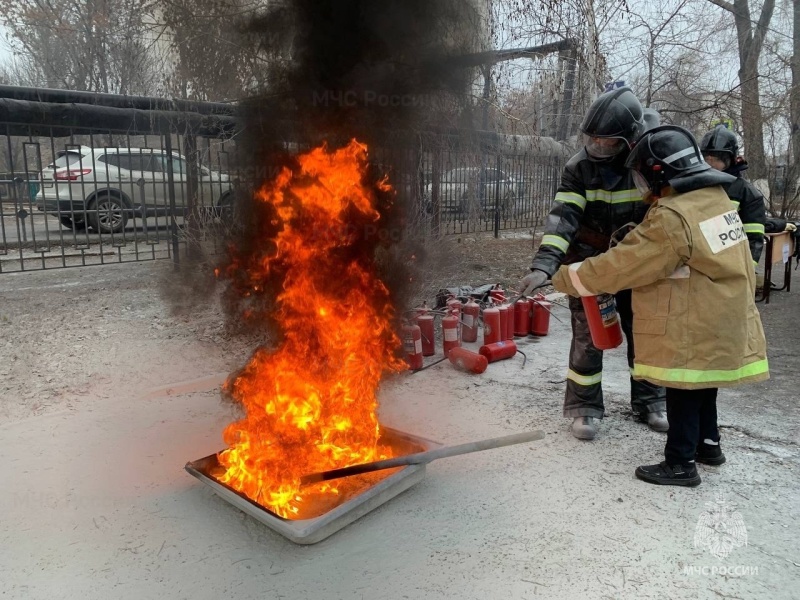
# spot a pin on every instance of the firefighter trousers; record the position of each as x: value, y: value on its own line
x: 584, y: 394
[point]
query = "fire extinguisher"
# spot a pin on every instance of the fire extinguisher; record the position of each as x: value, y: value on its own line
x: 540, y: 315
x: 454, y: 305
x: 421, y: 310
x: 470, y: 314
x: 466, y: 360
x: 504, y: 313
x: 412, y: 344
x: 497, y: 295
x: 450, y: 332
x: 522, y: 317
x: 603, y: 319
x: 425, y: 323
x: 491, y: 326
x: 509, y: 334
x: 498, y: 351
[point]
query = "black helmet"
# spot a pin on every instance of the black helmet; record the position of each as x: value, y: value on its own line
x: 720, y: 140
x: 651, y: 118
x: 664, y: 154
x: 616, y: 115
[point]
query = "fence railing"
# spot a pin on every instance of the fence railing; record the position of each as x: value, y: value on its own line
x: 94, y: 197
x: 96, y: 184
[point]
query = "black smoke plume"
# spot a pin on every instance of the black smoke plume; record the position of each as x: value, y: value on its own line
x: 383, y: 72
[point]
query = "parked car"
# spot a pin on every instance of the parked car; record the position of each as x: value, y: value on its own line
x: 470, y: 189
x: 104, y: 187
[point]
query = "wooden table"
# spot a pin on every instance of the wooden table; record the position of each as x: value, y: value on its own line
x: 778, y: 248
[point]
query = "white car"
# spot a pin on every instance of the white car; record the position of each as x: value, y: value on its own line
x: 103, y: 188
x: 470, y: 188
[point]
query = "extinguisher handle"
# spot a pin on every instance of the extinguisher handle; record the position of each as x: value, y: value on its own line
x: 521, y: 296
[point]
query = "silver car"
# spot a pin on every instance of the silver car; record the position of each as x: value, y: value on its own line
x: 103, y: 188
x: 470, y: 189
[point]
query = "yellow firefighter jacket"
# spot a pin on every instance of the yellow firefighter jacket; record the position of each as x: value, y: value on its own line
x: 695, y: 323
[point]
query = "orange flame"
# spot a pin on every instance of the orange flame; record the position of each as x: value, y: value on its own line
x: 311, y: 403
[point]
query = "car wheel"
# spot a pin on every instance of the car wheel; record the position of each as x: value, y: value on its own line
x: 108, y: 214
x: 72, y: 225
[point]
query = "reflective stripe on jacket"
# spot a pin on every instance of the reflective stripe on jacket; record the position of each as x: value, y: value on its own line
x: 695, y: 322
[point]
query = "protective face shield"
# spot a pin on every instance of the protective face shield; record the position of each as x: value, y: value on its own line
x: 604, y: 147
x: 641, y: 184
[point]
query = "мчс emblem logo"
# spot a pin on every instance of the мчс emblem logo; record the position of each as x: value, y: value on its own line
x: 720, y: 528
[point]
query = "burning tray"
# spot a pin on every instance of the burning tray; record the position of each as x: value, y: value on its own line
x: 325, y: 519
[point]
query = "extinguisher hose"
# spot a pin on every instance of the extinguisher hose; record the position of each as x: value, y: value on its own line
x: 548, y: 310
x: 436, y: 362
x: 524, y: 358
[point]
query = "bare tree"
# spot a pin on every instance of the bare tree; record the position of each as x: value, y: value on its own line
x: 91, y: 45
x: 213, y: 55
x: 750, y: 38
x: 546, y: 78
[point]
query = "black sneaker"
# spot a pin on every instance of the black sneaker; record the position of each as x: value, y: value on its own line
x: 709, y: 454
x: 664, y: 474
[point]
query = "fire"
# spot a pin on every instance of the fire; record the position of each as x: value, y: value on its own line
x: 311, y: 403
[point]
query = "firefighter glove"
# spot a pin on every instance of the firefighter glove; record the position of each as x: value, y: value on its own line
x: 531, y: 281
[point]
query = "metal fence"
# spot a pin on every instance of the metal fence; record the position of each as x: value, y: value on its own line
x: 147, y: 183
x: 487, y: 191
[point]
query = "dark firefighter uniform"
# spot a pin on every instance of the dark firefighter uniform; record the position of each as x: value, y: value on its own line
x: 595, y: 201
x: 749, y: 203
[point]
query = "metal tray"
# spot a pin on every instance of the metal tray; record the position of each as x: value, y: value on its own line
x: 313, y: 530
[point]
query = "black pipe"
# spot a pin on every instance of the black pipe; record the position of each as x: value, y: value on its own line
x: 114, y: 100
x: 54, y: 119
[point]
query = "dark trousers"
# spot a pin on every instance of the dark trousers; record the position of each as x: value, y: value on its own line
x: 692, y: 416
x: 584, y: 394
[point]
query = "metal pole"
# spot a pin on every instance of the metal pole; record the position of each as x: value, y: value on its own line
x: 425, y: 457
x: 497, y: 198
x: 173, y: 224
x: 192, y: 216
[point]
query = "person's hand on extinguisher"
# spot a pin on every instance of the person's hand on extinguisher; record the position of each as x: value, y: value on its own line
x: 531, y: 281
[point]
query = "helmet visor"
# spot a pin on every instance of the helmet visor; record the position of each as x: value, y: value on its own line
x: 641, y: 183
x: 604, y: 147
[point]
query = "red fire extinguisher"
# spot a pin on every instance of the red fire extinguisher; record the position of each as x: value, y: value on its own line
x: 509, y: 333
x: 421, y: 310
x: 498, y: 351
x: 412, y: 344
x: 604, y: 325
x: 491, y: 326
x: 454, y: 305
x: 425, y: 323
x: 503, y: 308
x: 450, y: 332
x: 497, y: 295
x: 540, y: 315
x: 522, y: 317
x: 469, y: 319
x: 466, y: 360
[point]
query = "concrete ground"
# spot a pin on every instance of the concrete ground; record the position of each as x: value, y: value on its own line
x: 97, y: 420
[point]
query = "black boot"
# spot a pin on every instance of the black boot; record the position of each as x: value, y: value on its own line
x: 709, y: 454
x: 664, y: 474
